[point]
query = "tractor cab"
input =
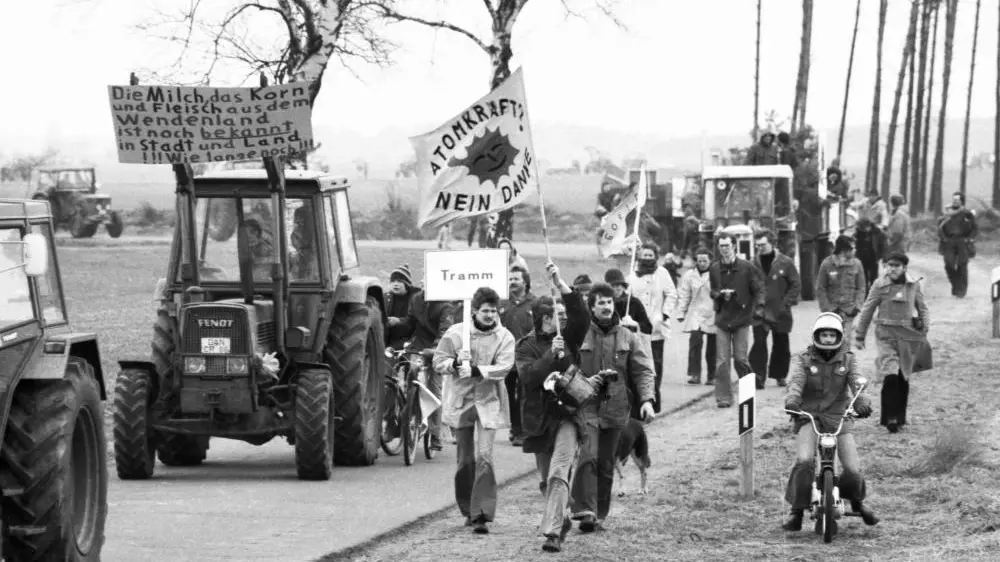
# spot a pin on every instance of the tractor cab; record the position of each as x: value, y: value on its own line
x: 743, y: 200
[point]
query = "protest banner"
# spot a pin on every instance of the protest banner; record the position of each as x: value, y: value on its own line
x: 613, y: 236
x: 175, y: 125
x: 479, y: 162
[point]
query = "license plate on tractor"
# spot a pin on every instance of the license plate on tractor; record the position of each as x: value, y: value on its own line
x: 215, y: 346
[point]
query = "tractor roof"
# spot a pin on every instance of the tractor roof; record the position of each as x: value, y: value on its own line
x: 747, y: 172
x: 20, y: 209
x: 296, y: 178
x: 67, y: 169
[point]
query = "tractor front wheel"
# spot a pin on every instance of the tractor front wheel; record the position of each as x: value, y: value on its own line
x: 134, y: 447
x: 314, y: 425
x: 53, y: 469
x: 355, y: 352
x: 114, y: 225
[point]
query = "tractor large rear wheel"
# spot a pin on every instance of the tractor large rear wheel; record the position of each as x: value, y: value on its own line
x: 53, y: 469
x: 314, y: 425
x: 355, y: 351
x: 134, y: 446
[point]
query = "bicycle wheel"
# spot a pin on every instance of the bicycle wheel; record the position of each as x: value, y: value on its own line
x: 411, y: 426
x: 828, y: 507
x: 392, y: 418
x: 429, y: 453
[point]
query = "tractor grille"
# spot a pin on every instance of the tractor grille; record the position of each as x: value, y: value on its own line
x: 238, y: 332
x: 266, y: 336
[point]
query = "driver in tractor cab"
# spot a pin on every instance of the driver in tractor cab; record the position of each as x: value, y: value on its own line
x: 302, y: 254
x: 820, y: 382
x: 261, y: 250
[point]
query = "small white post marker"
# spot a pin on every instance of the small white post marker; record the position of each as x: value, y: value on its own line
x: 995, y: 297
x: 747, y: 391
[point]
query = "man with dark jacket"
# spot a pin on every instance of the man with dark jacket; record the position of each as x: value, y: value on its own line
x: 782, y: 289
x: 430, y: 320
x: 957, y: 230
x: 515, y: 315
x: 739, y: 300
x: 869, y: 244
x: 614, y: 355
x: 549, y: 432
x: 397, y: 307
x: 764, y: 153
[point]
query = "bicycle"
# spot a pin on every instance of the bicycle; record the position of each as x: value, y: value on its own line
x: 826, y: 506
x: 391, y: 438
x: 414, y: 425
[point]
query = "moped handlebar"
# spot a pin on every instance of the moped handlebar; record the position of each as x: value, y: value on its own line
x: 848, y: 412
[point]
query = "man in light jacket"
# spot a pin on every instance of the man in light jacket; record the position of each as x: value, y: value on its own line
x: 841, y: 286
x: 476, y: 399
x: 898, y: 234
x: 654, y: 288
x: 696, y: 310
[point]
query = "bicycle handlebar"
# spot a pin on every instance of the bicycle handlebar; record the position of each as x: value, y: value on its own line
x: 848, y: 412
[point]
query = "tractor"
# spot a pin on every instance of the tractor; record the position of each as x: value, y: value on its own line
x: 53, y: 468
x: 268, y: 333
x: 76, y: 205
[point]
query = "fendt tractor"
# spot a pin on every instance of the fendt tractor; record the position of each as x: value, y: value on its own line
x: 268, y: 333
x: 76, y: 204
x: 53, y: 472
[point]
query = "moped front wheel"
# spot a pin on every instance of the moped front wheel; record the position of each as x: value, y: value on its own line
x: 828, y: 507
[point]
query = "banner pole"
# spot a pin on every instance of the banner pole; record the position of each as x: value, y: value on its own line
x: 635, y: 231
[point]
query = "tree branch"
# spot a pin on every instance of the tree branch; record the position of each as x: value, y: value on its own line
x: 392, y: 14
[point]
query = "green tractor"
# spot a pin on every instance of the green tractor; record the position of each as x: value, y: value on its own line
x: 268, y: 333
x: 76, y: 204
x: 53, y: 467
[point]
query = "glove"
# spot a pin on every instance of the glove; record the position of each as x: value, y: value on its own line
x: 862, y: 409
x: 918, y: 324
x: 793, y: 404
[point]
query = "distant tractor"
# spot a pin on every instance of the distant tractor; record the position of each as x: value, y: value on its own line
x: 268, y: 333
x: 53, y: 468
x: 76, y: 205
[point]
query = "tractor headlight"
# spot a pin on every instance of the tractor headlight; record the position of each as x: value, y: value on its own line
x: 827, y: 441
x: 194, y: 365
x: 237, y: 365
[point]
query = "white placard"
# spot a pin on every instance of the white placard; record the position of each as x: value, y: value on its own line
x: 748, y: 387
x: 995, y: 275
x: 451, y: 275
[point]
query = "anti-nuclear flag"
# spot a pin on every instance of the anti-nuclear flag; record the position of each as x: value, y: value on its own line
x: 613, y: 235
x: 479, y: 162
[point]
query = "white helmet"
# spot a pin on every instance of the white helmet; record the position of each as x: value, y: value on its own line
x: 828, y: 321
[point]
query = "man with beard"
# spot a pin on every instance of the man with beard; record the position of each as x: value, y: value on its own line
x: 957, y: 230
x: 515, y: 315
x: 476, y: 404
x: 615, y: 355
x: 655, y: 289
x: 397, y: 306
x: 781, y: 289
x: 550, y: 432
x: 869, y: 244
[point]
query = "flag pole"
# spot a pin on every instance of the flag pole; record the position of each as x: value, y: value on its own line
x: 635, y: 230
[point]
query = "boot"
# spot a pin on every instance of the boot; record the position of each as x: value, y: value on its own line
x: 588, y: 524
x: 553, y: 543
x: 480, y: 526
x: 794, y: 520
x: 694, y: 379
x: 890, y: 403
x: 867, y: 515
x: 904, y: 397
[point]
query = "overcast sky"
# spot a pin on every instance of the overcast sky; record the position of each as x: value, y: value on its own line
x: 682, y: 67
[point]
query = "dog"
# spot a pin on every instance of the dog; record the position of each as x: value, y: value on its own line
x: 632, y: 444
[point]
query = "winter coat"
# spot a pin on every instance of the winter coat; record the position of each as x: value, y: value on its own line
x: 540, y: 414
x: 824, y: 387
x: 957, y: 230
x: 742, y: 277
x: 621, y: 350
x: 493, y: 355
x: 637, y: 312
x: 782, y: 289
x: 898, y: 233
x: 840, y: 286
x: 869, y: 245
x: 694, y: 302
x: 898, y: 341
x: 877, y: 212
x: 398, y: 306
x: 658, y: 296
x: 760, y: 155
x: 430, y: 320
x: 515, y: 315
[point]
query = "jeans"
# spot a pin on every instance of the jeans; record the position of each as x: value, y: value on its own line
x: 851, y: 482
x: 593, y: 482
x: 557, y: 471
x: 731, y: 346
x: 511, y: 381
x: 695, y: 344
x: 870, y: 265
x: 475, y: 481
x: 657, y: 347
x: 781, y: 355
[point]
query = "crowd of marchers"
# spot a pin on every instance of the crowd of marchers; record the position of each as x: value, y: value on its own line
x: 527, y: 351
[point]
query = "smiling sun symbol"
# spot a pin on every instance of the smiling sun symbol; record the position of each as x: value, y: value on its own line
x: 489, y: 157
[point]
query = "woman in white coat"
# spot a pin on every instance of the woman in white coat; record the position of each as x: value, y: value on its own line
x: 696, y: 310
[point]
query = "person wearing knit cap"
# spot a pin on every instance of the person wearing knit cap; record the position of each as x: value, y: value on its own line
x: 582, y: 284
x: 840, y: 285
x: 636, y: 320
x: 397, y: 305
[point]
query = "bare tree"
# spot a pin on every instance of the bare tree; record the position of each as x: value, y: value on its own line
x: 968, y: 102
x: 937, y: 174
x: 19, y: 168
x: 904, y: 166
x: 847, y: 83
x: 287, y: 40
x: 503, y: 16
x: 995, y: 200
x: 918, y: 119
x: 908, y: 48
x: 802, y: 81
x: 920, y: 199
x: 756, y: 81
x: 871, y: 172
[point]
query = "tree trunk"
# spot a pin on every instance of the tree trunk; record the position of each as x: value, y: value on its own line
x: 500, y: 54
x: 756, y: 81
x: 918, y: 115
x: 937, y: 175
x: 996, y: 132
x: 847, y: 83
x: 911, y: 37
x: 871, y: 174
x: 920, y: 201
x: 904, y: 167
x: 968, y: 103
x: 802, y: 81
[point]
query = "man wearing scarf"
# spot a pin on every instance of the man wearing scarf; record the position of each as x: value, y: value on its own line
x: 654, y: 288
x: 781, y: 288
x: 397, y: 306
x: 515, y: 315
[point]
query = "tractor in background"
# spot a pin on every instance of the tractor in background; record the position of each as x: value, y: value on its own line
x: 53, y: 468
x: 268, y: 333
x: 76, y: 204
